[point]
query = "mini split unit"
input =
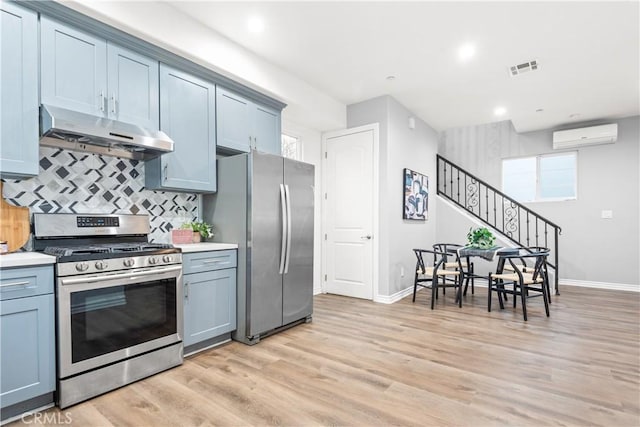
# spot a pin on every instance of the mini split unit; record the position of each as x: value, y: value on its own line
x: 593, y: 135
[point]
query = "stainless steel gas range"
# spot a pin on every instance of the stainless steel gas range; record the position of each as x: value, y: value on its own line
x: 118, y: 301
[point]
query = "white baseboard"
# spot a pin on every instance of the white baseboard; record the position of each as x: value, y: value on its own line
x: 600, y: 285
x: 390, y: 299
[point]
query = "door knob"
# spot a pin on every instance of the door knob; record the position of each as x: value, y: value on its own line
x: 367, y: 237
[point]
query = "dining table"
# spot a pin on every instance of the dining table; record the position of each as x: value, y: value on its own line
x: 488, y: 254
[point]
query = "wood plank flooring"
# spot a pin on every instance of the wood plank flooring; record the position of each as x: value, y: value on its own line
x: 365, y: 364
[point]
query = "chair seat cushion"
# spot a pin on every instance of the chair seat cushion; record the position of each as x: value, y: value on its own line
x: 513, y: 277
x: 441, y: 272
x: 455, y: 265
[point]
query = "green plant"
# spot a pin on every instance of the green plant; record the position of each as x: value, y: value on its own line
x: 480, y: 238
x: 201, y: 227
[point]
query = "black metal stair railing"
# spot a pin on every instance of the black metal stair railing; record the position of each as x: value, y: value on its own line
x: 510, y: 218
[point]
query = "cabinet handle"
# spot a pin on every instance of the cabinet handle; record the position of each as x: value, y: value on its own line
x: 102, y: 101
x: 215, y: 262
x: 166, y: 173
x: 113, y: 100
x: 25, y: 283
x: 186, y: 290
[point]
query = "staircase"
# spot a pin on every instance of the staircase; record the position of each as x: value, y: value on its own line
x: 513, y: 220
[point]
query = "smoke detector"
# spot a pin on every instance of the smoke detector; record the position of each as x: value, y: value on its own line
x: 525, y: 67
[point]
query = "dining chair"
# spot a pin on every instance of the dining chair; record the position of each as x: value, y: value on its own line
x: 435, y: 276
x: 451, y: 262
x: 523, y: 282
x: 522, y: 266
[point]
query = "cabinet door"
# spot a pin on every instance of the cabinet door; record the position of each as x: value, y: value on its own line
x: 233, y: 121
x: 27, y: 365
x: 133, y: 88
x: 73, y: 68
x: 266, y: 130
x: 19, y: 94
x: 187, y: 115
x: 209, y: 305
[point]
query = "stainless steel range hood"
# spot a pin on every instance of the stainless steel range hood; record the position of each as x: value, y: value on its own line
x: 83, y: 132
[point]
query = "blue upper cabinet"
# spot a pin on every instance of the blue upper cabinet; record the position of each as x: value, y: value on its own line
x: 19, y: 93
x: 244, y: 125
x: 266, y: 130
x: 233, y: 114
x: 73, y: 68
x: 87, y: 74
x: 133, y: 88
x: 187, y: 115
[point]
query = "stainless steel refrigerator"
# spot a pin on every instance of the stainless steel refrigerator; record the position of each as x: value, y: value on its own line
x: 265, y: 204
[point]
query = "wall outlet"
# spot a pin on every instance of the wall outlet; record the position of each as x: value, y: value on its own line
x: 606, y: 214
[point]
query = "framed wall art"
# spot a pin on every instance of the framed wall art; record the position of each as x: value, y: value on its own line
x: 416, y: 195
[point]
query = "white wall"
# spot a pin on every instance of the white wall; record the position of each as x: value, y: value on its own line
x: 400, y: 147
x: 591, y: 248
x: 164, y: 26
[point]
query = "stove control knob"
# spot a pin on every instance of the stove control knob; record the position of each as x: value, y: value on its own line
x: 128, y: 262
x: 101, y: 265
x: 153, y: 260
x: 82, y: 266
x: 167, y: 258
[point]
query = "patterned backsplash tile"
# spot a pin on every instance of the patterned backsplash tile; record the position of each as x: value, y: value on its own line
x: 74, y: 182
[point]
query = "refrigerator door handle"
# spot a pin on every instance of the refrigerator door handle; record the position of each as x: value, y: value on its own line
x: 283, y: 204
x: 288, y: 197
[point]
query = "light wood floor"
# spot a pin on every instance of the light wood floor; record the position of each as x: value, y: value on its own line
x: 360, y: 363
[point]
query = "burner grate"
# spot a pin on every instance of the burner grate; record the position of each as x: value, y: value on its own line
x: 65, y: 251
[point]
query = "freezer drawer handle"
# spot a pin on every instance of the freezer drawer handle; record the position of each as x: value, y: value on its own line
x: 283, y: 207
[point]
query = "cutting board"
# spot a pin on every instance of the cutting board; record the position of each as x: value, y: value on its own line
x: 14, y: 224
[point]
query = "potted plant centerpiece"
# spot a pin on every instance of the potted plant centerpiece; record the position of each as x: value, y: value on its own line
x: 480, y: 238
x: 201, y: 230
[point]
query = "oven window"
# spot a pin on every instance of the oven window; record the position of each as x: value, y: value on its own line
x: 109, y: 319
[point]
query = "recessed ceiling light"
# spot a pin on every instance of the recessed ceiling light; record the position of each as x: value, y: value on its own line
x: 539, y: 110
x: 390, y: 78
x: 466, y: 52
x: 255, y: 24
x: 574, y: 115
x: 500, y: 111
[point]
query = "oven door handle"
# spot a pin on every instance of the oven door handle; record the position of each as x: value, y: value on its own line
x: 84, y: 280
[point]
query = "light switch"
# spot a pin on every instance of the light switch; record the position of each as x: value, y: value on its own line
x: 606, y: 214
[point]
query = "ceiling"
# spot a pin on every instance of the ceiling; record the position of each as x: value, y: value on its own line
x: 588, y: 55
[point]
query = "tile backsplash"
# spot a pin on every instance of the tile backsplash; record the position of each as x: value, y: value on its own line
x: 75, y: 182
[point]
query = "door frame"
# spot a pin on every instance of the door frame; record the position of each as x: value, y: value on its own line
x: 375, y: 128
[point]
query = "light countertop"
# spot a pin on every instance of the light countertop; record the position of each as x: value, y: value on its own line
x: 204, y: 247
x: 25, y: 259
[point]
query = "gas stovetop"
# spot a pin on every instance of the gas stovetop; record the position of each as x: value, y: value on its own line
x: 98, y: 250
x: 89, y: 243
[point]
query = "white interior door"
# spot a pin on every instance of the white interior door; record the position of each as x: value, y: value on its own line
x: 349, y: 209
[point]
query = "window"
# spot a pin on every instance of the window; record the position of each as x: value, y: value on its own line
x: 291, y: 147
x: 540, y: 178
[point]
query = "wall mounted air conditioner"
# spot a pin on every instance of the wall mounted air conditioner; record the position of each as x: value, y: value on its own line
x: 575, y: 138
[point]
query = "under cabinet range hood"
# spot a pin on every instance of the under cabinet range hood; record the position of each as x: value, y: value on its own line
x: 68, y: 129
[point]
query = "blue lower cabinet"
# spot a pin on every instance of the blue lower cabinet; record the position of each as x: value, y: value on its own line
x: 27, y: 348
x: 209, y: 305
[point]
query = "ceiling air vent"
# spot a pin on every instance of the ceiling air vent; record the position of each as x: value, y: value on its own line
x: 525, y: 67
